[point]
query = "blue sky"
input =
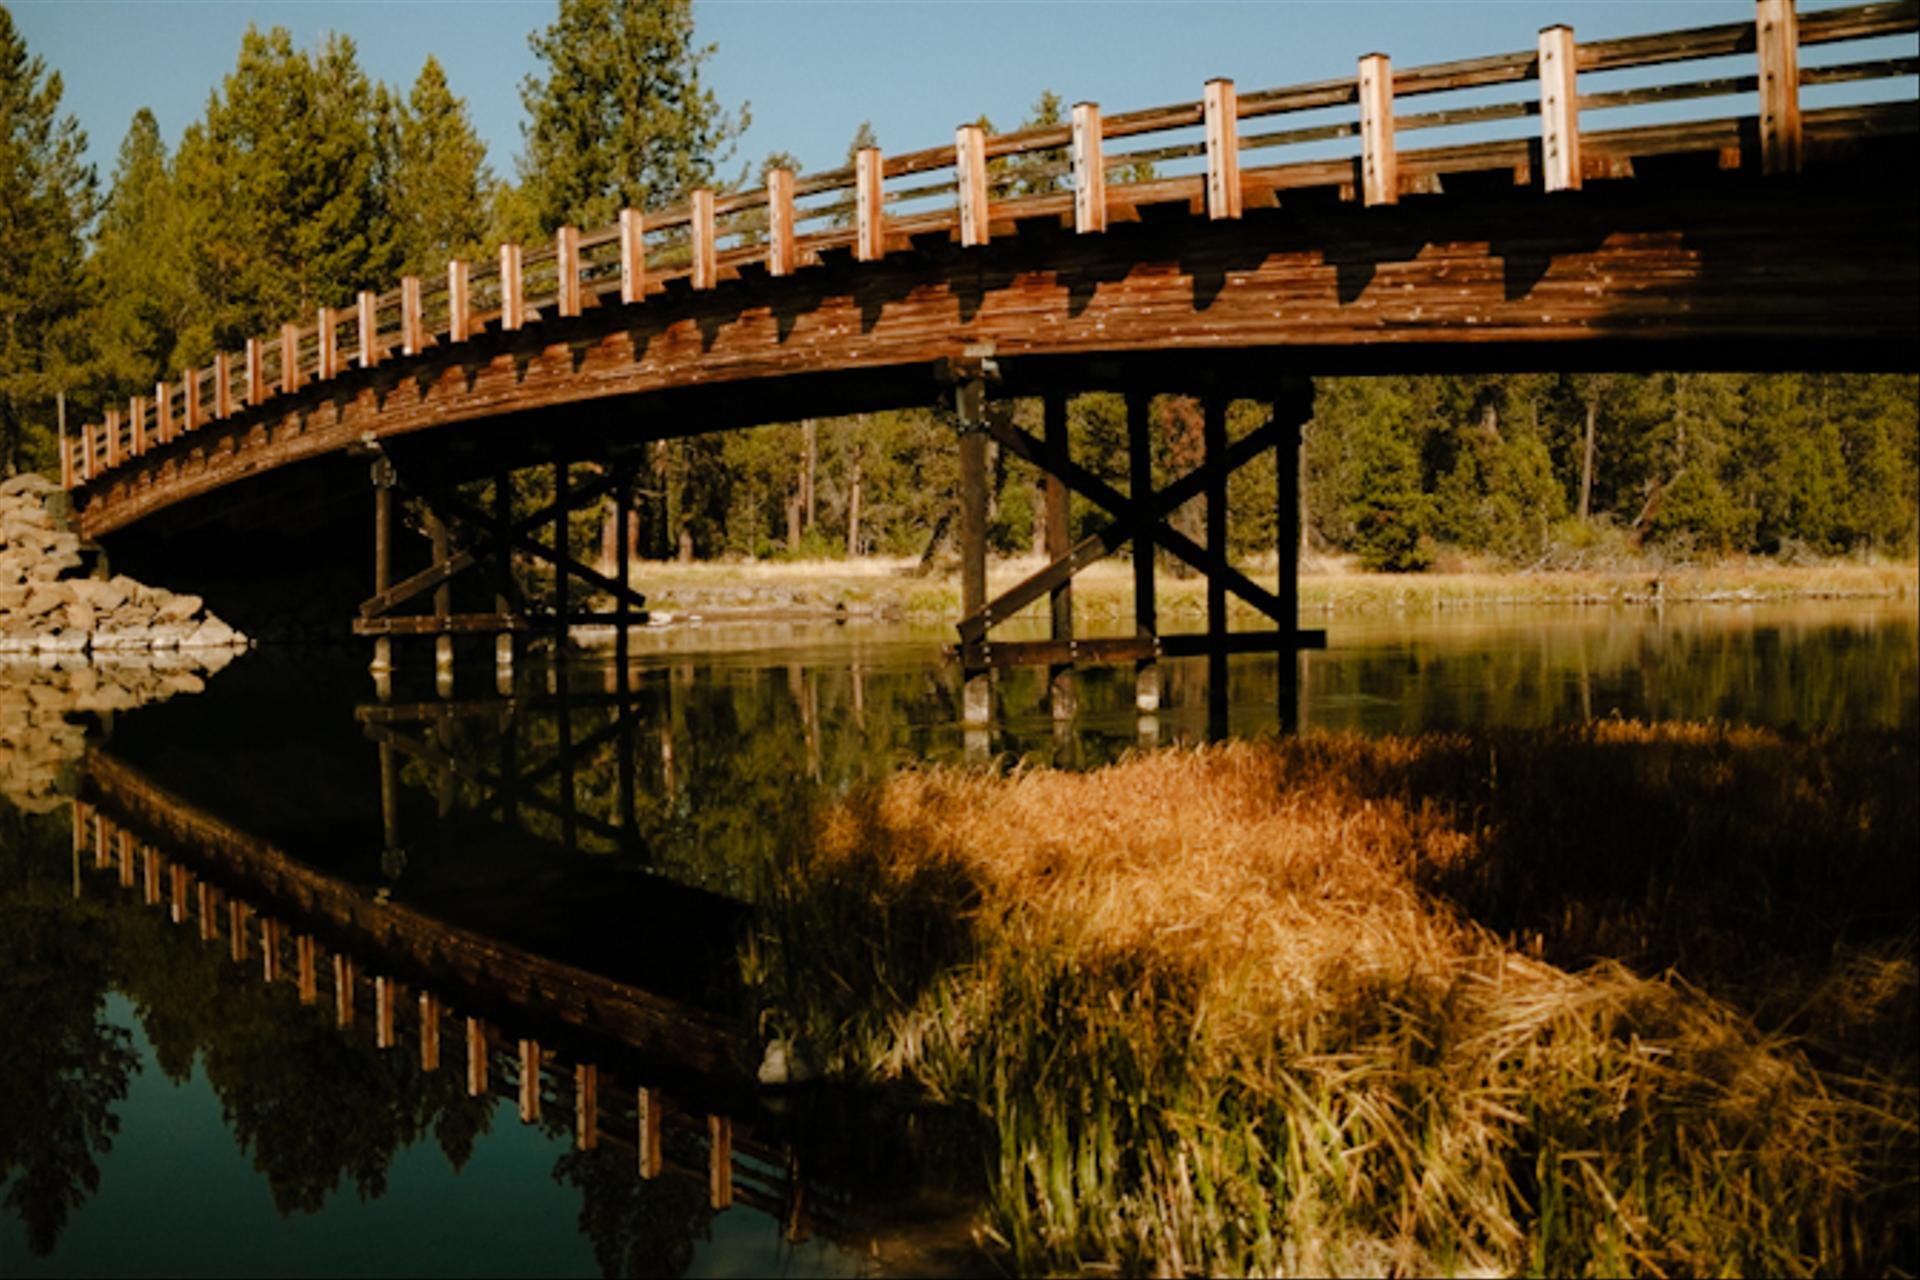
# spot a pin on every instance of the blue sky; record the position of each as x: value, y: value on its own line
x: 814, y: 69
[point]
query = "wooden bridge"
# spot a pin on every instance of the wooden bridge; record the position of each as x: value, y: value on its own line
x: 1175, y: 249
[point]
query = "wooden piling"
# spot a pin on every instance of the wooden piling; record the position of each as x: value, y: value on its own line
x: 969, y: 412
x: 1146, y: 672
x: 1089, y: 170
x: 1061, y: 694
x: 1379, y: 167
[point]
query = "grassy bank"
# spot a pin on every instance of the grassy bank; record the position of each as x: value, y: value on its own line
x: 1104, y: 592
x: 1599, y: 1000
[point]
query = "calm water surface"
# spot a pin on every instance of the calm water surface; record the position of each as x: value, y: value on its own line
x: 313, y: 981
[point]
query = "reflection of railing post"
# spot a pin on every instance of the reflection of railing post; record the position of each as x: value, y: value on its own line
x: 586, y: 1106
x: 529, y: 1081
x: 476, y: 1058
x: 429, y: 1031
x: 647, y: 1109
x: 342, y: 991
x: 383, y: 478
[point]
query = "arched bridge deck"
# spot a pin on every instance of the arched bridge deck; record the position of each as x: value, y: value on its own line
x: 1024, y: 264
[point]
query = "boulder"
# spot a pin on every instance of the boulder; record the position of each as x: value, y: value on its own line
x: 27, y: 482
x: 177, y: 608
x: 13, y: 597
x: 63, y: 641
x: 169, y: 635
x: 78, y: 616
x: 44, y: 597
x: 212, y: 634
x: 105, y: 597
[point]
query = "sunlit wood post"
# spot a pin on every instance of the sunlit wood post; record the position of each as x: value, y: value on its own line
x: 113, y: 438
x: 869, y: 206
x: 648, y: 1107
x: 89, y: 460
x: 429, y: 1031
x: 513, y: 298
x: 529, y: 1081
x: 700, y: 233
x: 413, y: 335
x: 289, y: 358
x: 633, y: 257
x: 1221, y: 106
x: 566, y: 252
x: 343, y: 980
x: 1559, y: 110
x: 256, y: 373
x: 780, y: 253
x: 326, y: 346
x: 1379, y: 167
x: 1777, y: 41
x: 190, y: 400
x: 222, y: 385
x: 367, y: 327
x: 970, y: 176
x: 137, y: 424
x: 163, y: 412
x: 586, y: 1106
x: 1089, y: 170
x: 476, y: 1058
x: 720, y: 1161
x: 459, y: 301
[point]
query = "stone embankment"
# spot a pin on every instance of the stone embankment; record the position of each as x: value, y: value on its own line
x: 49, y: 605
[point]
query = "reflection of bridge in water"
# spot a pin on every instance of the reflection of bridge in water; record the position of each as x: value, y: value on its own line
x: 612, y: 1064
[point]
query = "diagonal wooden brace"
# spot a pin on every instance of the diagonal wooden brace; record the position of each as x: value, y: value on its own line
x: 1132, y: 519
x: 518, y: 535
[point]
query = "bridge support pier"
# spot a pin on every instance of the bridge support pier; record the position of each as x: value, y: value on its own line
x: 1139, y: 520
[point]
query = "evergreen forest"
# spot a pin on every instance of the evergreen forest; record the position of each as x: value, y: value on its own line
x: 304, y: 181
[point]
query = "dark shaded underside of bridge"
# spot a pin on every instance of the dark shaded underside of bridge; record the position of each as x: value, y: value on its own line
x: 1683, y: 267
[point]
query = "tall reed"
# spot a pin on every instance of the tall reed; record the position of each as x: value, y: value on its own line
x: 1612, y: 999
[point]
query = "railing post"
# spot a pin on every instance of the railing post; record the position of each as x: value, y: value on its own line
x: 113, y: 438
x: 190, y: 400
x: 89, y: 460
x: 719, y: 1162
x: 586, y: 1106
x: 163, y: 412
x: 289, y: 358
x: 780, y: 222
x: 429, y: 1031
x: 529, y: 1081
x: 66, y: 461
x: 137, y: 424
x: 647, y: 1113
x: 700, y: 229
x: 342, y: 991
x: 368, y: 303
x: 513, y: 300
x: 476, y: 1057
x: 1777, y: 40
x: 869, y: 207
x: 256, y: 374
x: 326, y: 359
x: 1559, y: 110
x: 413, y: 339
x: 970, y: 173
x: 1222, y: 107
x: 459, y: 307
x: 1089, y: 170
x: 1379, y: 173
x: 633, y: 257
x: 566, y: 252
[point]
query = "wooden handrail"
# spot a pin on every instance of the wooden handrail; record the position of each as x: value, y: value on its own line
x: 710, y: 231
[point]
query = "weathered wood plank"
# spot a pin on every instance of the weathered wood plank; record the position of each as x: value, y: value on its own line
x: 1559, y: 110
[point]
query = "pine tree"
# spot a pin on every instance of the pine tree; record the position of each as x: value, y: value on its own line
x: 621, y: 117
x: 440, y: 184
x: 139, y: 283
x: 47, y: 195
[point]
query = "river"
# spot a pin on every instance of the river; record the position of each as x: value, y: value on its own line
x: 272, y: 988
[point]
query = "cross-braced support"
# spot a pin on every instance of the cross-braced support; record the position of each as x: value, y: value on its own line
x: 1139, y: 520
x: 493, y: 537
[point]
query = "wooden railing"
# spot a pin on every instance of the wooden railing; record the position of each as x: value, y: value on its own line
x: 980, y: 184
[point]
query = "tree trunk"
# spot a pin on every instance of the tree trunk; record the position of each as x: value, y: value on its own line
x: 686, y: 543
x: 1586, y: 464
x: 809, y: 466
x: 794, y: 509
x: 853, y: 509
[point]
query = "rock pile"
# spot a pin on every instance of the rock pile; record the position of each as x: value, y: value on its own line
x: 47, y: 606
x: 44, y: 698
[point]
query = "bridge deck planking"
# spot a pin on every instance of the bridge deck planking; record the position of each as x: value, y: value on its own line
x: 1420, y: 287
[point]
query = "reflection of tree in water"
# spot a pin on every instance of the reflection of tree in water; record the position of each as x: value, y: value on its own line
x: 639, y: 1227
x: 62, y: 1068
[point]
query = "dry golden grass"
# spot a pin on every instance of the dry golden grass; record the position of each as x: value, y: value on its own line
x: 1612, y: 999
